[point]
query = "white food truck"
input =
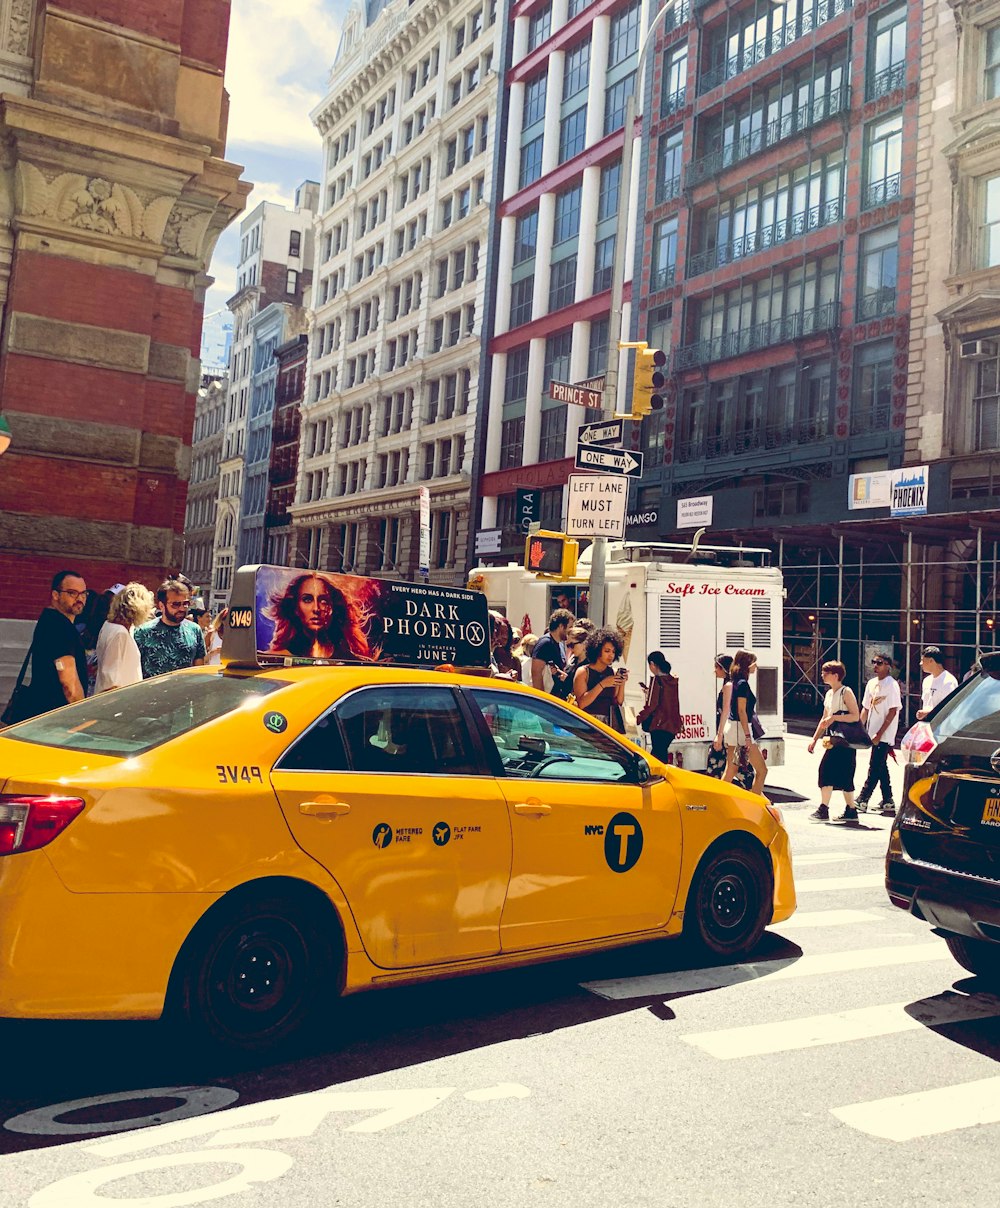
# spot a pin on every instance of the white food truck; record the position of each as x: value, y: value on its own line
x: 690, y: 602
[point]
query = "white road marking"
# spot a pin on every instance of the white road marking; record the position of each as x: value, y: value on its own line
x: 824, y: 918
x: 503, y: 1090
x: 815, y: 1030
x: 663, y: 985
x: 926, y: 1113
x: 868, y: 880
x: 823, y: 857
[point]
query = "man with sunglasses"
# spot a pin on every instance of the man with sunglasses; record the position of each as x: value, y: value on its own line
x: 58, y: 659
x: 880, y: 710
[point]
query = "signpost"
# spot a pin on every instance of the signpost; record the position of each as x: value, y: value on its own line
x: 605, y: 432
x: 609, y: 461
x: 596, y: 505
x: 579, y: 396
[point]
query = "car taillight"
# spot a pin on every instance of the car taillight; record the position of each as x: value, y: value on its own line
x: 28, y: 823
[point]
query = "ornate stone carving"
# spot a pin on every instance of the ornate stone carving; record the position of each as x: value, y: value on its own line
x: 18, y: 31
x: 185, y: 229
x: 102, y: 206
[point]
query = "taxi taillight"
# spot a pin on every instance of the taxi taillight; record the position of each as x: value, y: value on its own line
x: 28, y: 823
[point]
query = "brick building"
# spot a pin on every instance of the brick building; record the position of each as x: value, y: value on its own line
x: 115, y: 190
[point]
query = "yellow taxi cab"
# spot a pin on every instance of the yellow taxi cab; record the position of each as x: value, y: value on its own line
x: 237, y: 846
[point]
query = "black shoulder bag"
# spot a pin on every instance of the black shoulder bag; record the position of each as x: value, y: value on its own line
x: 21, y: 704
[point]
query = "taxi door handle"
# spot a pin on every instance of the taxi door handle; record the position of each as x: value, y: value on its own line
x: 532, y: 808
x: 327, y: 808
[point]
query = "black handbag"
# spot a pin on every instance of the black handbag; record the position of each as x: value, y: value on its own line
x: 848, y: 734
x: 646, y: 724
x: 756, y: 729
x: 21, y: 705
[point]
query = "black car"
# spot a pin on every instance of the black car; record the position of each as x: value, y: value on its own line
x: 943, y: 863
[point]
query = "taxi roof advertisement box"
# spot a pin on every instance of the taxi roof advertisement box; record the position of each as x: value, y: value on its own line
x: 279, y: 615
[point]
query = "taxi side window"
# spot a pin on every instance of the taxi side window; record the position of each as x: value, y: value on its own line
x: 320, y: 749
x: 543, y: 741
x: 407, y: 731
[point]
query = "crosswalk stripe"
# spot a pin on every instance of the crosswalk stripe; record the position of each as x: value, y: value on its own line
x: 868, y: 880
x: 812, y: 1031
x: 663, y: 985
x: 823, y: 857
x: 825, y: 918
x: 926, y: 1113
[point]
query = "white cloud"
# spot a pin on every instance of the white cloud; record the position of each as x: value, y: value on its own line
x: 280, y: 55
x: 270, y: 190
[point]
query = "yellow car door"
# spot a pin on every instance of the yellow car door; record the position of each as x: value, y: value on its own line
x: 595, y: 852
x: 389, y: 792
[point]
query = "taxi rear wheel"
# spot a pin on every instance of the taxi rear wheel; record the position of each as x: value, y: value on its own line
x: 730, y: 901
x: 978, y: 956
x: 255, y: 974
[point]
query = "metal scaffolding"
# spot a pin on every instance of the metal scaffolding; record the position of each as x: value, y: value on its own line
x: 852, y: 591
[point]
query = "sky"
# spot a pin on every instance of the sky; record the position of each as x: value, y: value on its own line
x: 280, y: 56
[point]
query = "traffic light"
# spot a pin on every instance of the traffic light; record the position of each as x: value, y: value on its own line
x: 648, y: 382
x: 551, y: 554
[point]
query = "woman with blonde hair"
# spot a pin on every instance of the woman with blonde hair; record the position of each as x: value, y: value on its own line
x: 213, y: 638
x: 523, y: 651
x: 118, y: 662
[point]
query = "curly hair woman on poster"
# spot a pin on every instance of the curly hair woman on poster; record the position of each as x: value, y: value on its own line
x: 314, y: 619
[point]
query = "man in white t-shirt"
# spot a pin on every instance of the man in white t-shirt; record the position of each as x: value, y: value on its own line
x: 937, y: 682
x: 880, y: 717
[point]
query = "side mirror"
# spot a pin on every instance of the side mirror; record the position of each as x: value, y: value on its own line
x: 643, y: 774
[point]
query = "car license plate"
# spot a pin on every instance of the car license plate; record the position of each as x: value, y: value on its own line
x: 991, y: 812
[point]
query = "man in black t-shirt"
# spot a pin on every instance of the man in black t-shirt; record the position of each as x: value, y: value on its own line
x: 58, y: 660
x: 547, y: 655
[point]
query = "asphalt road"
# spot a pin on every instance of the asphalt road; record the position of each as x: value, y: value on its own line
x: 852, y: 1062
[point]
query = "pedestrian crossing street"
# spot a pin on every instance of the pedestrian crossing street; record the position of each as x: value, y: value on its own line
x: 856, y: 950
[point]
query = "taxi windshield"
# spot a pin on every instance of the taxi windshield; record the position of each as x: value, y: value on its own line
x: 136, y: 719
x: 974, y: 710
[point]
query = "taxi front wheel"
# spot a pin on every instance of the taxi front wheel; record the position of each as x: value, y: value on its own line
x: 256, y: 970
x: 730, y: 901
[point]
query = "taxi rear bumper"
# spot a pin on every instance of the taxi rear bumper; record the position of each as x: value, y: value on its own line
x: 70, y: 955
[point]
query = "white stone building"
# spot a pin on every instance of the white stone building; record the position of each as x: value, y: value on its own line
x: 275, y: 265
x: 399, y: 289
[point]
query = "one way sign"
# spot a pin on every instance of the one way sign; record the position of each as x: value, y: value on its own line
x: 607, y: 433
x: 609, y: 461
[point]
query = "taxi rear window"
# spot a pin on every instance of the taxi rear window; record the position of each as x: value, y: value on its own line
x: 136, y: 719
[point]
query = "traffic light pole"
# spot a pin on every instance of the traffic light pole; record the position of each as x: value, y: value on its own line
x: 599, y: 552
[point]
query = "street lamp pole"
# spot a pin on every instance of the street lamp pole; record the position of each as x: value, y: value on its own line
x: 599, y: 552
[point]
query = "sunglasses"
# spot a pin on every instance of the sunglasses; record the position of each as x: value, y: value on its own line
x: 880, y: 663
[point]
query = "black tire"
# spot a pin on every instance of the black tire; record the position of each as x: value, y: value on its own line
x: 730, y: 901
x: 978, y: 956
x: 252, y: 973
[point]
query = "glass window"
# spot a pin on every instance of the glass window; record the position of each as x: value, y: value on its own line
x: 534, y: 100
x: 521, y: 293
x: 607, y: 200
x: 624, y: 34
x: 986, y: 404
x: 405, y: 731
x: 516, y: 376
x: 668, y: 166
x: 675, y: 68
x: 879, y: 264
x: 572, y: 135
x: 552, y: 441
x: 577, y: 70
x: 887, y: 53
x: 597, y: 353
x: 531, y: 162
x: 990, y: 244
x: 604, y: 260
x: 562, y: 283
x: 511, y: 443
x: 664, y: 253
x: 143, y: 716
x: 615, y: 100
x: 991, y: 82
x: 525, y: 237
x: 540, y: 27
x: 542, y: 741
x: 567, y: 215
x: 873, y: 389
x: 557, y: 357
x: 883, y: 161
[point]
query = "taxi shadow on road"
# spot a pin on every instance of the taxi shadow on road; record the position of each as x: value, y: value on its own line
x: 367, y: 1034
x: 968, y: 1014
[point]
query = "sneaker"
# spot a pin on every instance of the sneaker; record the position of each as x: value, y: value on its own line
x: 862, y: 805
x: 887, y: 809
x: 848, y: 818
x: 820, y: 814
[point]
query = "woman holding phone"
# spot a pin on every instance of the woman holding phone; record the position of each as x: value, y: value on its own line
x: 598, y: 688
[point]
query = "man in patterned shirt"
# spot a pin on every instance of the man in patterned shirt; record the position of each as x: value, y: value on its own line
x: 172, y: 641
